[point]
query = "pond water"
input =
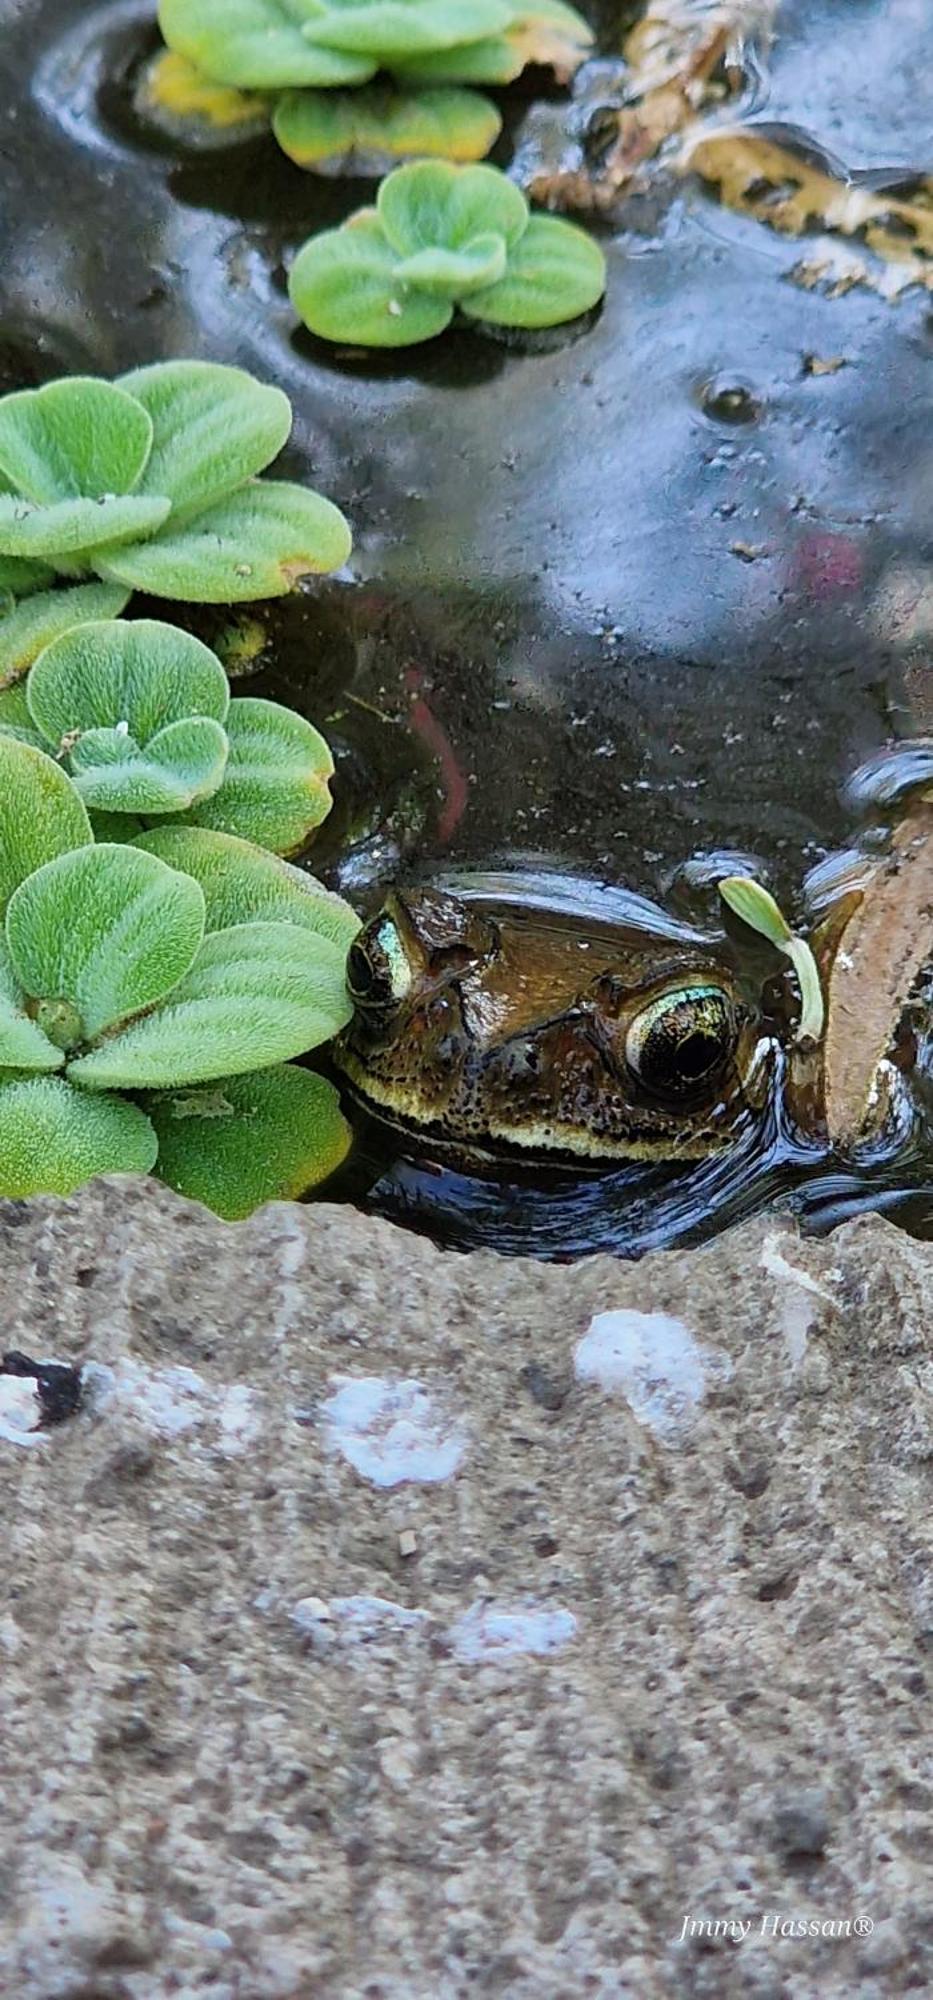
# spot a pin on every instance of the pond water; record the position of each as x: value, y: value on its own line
x: 615, y: 607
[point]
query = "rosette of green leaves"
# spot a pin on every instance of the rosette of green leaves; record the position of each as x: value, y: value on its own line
x: 151, y: 483
x: 150, y: 999
x: 442, y: 237
x: 221, y: 53
x: 272, y: 45
x: 139, y: 714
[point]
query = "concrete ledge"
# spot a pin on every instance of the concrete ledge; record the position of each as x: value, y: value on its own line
x: 383, y: 1628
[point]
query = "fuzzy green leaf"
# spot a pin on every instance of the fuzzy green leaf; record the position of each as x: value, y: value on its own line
x: 76, y: 438
x: 268, y: 1136
x: 432, y: 205
x: 15, y: 719
x: 181, y: 765
x: 53, y: 1137
x: 41, y: 815
x: 22, y: 1043
x: 30, y: 627
x: 109, y: 930
x: 493, y: 60
x: 276, y: 787
x: 386, y: 29
x: 256, y: 44
x: 138, y: 672
x: 344, y: 285
x: 73, y: 527
x: 366, y: 130
x: 213, y: 428
x: 258, y: 543
x: 242, y: 883
x: 21, y: 577
x: 257, y: 994
x: 451, y: 274
x: 555, y: 273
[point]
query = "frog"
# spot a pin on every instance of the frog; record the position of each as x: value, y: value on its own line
x: 512, y: 1028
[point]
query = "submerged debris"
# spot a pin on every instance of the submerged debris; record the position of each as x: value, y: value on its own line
x: 678, y: 60
x: 885, y: 945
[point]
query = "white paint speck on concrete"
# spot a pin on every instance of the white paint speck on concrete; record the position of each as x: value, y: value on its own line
x: 354, y: 1620
x: 505, y: 1632
x: 655, y: 1362
x: 392, y: 1431
x: 172, y: 1401
x: 20, y: 1411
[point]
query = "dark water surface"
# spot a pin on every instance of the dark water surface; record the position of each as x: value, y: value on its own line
x: 650, y: 595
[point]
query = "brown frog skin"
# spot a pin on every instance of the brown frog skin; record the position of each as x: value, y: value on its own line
x: 527, y: 1032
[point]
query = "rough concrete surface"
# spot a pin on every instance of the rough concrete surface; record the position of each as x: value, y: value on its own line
x: 398, y: 1625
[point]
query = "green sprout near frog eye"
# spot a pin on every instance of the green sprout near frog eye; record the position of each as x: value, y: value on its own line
x: 758, y: 909
x: 140, y: 715
x: 150, y: 483
x: 227, y: 60
x: 442, y: 237
x: 150, y: 1013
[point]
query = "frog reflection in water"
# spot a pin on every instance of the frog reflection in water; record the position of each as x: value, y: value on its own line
x: 501, y: 1033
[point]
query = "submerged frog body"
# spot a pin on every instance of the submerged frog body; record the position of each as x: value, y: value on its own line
x: 497, y: 1030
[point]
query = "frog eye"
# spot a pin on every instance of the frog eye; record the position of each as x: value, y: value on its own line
x: 378, y: 972
x: 681, y: 1040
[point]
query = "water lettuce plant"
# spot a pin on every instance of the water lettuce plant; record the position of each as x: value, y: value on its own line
x: 153, y: 998
x: 226, y: 58
x: 442, y: 237
x: 140, y: 716
x: 150, y: 483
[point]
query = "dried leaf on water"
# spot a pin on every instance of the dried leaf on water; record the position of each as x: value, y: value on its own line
x: 781, y: 186
x: 676, y: 55
x: 885, y: 945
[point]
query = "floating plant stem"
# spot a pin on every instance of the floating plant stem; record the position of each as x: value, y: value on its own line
x: 758, y: 909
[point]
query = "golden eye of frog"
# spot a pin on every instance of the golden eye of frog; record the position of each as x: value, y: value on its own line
x: 488, y: 1029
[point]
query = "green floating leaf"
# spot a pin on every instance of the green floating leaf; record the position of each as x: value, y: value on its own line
x: 72, y: 527
x: 15, y: 719
x: 180, y: 100
x: 258, y: 994
x: 451, y: 274
x: 554, y: 274
x: 276, y: 788
x: 139, y: 672
x: 348, y: 131
x: 493, y: 60
x: 22, y: 1043
x: 107, y: 930
x: 115, y: 827
x: 30, y: 627
x: 258, y: 543
x: 214, y: 427
x: 268, y: 1136
x: 53, y: 1138
x: 344, y: 285
x: 21, y: 577
x: 77, y: 438
x: 242, y: 883
x: 757, y: 908
x: 41, y: 815
x: 431, y: 205
x: 256, y: 44
x: 385, y: 29
x: 183, y: 764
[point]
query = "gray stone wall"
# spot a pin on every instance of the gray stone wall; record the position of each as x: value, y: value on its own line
x: 403, y: 1626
